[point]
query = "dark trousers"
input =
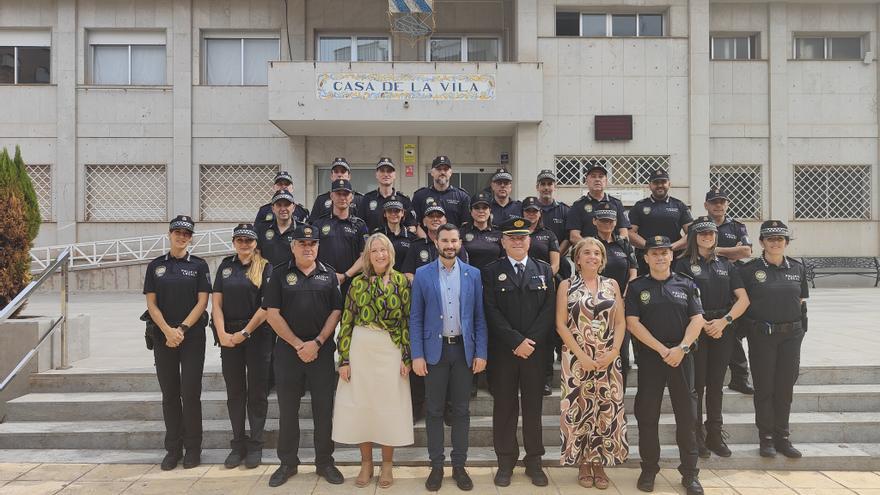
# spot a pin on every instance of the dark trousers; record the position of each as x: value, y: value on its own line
x: 450, y: 375
x: 775, y: 367
x: 654, y: 377
x: 246, y: 372
x: 179, y: 370
x: 739, y: 365
x: 624, y: 358
x: 710, y: 366
x: 292, y: 375
x: 553, y: 342
x: 417, y: 393
x: 514, y: 381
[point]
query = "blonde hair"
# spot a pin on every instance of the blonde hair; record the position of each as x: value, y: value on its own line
x: 576, y: 252
x: 255, y: 270
x: 368, y: 268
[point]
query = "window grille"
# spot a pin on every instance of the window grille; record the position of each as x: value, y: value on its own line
x: 234, y: 192
x: 126, y: 193
x: 832, y: 192
x: 624, y: 170
x: 743, y: 185
x: 41, y: 177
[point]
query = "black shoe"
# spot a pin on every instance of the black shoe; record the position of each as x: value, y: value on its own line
x: 702, y: 451
x: 280, y: 476
x: 766, y: 448
x: 170, y: 461
x: 741, y: 386
x: 547, y: 390
x: 645, y: 482
x: 539, y: 478
x: 692, y: 485
x: 784, y: 447
x: 192, y: 458
x: 435, y: 479
x: 502, y: 477
x: 715, y: 442
x: 462, y: 479
x: 331, y: 474
x: 253, y: 459
x: 233, y: 460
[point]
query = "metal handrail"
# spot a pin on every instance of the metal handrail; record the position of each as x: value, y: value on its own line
x: 63, y: 262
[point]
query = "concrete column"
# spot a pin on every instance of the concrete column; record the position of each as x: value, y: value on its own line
x: 296, y: 22
x: 526, y: 30
x: 699, y: 114
x: 66, y: 166
x: 525, y: 159
x: 780, y: 175
x: 183, y: 191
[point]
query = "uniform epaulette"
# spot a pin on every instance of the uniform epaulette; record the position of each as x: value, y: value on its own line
x: 793, y: 260
x: 419, y: 189
x: 194, y: 257
x: 230, y: 259
x: 495, y: 262
x: 536, y: 260
x: 685, y: 275
x: 753, y: 260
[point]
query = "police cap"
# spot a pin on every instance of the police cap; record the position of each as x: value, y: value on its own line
x: 305, y: 232
x: 716, y: 193
x: 385, y: 162
x: 657, y: 241
x: 597, y: 166
x: 605, y: 210
x: 546, y: 174
x: 531, y: 203
x: 435, y: 208
x: 481, y: 198
x: 182, y: 222
x: 774, y: 228
x: 393, y: 205
x: 244, y: 230
x: 502, y: 175
x: 340, y: 185
x: 282, y: 194
x: 340, y: 162
x: 441, y: 161
x: 283, y: 175
x: 658, y: 174
x: 703, y: 224
x: 515, y: 226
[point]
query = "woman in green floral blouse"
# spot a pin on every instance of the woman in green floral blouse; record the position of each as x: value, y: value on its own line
x: 373, y: 397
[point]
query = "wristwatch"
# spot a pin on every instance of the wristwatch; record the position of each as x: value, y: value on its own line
x: 184, y: 327
x: 728, y: 318
x: 246, y: 334
x: 318, y: 341
x: 686, y: 349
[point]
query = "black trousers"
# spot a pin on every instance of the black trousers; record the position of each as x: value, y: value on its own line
x: 179, y: 370
x: 710, y: 366
x: 739, y: 365
x: 246, y: 372
x: 776, y: 362
x: 291, y: 377
x: 417, y: 393
x: 654, y: 377
x: 626, y: 366
x: 450, y: 379
x: 554, y: 342
x: 514, y: 381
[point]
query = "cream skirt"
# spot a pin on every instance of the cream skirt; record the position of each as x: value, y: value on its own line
x: 375, y: 405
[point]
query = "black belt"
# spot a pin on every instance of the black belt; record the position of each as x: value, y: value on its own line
x: 767, y: 328
x: 451, y: 340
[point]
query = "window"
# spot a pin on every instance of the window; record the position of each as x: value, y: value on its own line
x: 363, y: 178
x: 828, y: 48
x: 125, y: 193
x: 128, y: 58
x: 832, y: 192
x: 354, y: 49
x: 743, y: 185
x: 233, y: 192
x: 734, y: 47
x: 603, y: 24
x: 622, y: 169
x: 464, y: 49
x: 240, y: 61
x: 41, y: 177
x: 24, y: 56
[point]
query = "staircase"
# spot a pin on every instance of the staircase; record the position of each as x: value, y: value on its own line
x: 73, y: 416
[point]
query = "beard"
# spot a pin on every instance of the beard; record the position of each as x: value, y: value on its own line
x: 448, y: 254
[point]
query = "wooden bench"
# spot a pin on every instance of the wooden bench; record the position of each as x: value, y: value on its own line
x: 826, y: 266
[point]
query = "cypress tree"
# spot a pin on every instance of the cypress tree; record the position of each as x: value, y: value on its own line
x: 19, y: 225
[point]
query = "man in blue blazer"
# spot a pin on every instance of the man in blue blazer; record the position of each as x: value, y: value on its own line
x: 448, y: 339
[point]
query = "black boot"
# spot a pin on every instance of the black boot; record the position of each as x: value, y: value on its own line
x: 701, y: 442
x: 766, y: 448
x: 715, y: 442
x: 784, y: 447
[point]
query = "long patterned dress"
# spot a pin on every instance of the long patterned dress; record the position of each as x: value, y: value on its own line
x: 593, y: 422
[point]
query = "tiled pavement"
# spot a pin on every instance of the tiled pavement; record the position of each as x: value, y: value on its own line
x: 213, y: 479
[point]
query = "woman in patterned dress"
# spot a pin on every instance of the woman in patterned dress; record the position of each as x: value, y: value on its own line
x: 590, y: 320
x: 373, y: 404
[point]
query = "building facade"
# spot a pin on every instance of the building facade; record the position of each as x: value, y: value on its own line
x: 129, y: 112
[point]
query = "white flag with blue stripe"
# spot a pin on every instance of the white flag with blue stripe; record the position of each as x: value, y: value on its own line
x: 408, y: 6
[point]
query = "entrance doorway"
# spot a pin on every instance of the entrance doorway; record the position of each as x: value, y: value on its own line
x: 471, y: 178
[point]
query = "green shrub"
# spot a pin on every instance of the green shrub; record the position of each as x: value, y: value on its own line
x: 19, y: 225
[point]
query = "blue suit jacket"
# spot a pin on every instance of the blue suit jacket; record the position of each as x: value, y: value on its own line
x: 426, y: 314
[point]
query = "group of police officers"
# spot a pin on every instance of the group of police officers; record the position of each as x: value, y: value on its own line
x: 304, y: 296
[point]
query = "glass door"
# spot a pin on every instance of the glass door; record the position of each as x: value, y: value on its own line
x: 471, y: 178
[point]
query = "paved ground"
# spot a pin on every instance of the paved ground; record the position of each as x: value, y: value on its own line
x: 146, y: 478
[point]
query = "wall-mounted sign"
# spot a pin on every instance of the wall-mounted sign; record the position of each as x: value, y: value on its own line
x: 456, y: 87
x: 613, y: 127
x: 409, y: 154
x: 505, y: 158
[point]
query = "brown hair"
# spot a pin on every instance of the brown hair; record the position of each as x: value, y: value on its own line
x: 580, y: 247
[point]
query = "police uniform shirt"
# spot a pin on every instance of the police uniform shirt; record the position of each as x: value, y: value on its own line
x: 664, y: 217
x: 716, y: 279
x: 502, y: 213
x: 580, y: 216
x: 664, y: 307
x: 731, y: 233
x: 482, y: 246
x: 273, y: 244
x: 241, y: 298
x: 553, y: 216
x: 323, y: 206
x: 423, y: 251
x: 372, y: 208
x: 177, y: 283
x: 542, y: 244
x: 401, y: 243
x: 305, y: 301
x: 455, y: 201
x: 775, y: 292
x: 265, y: 214
x: 620, y: 259
x: 342, y: 241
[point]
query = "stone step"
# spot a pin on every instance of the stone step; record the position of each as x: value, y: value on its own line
x: 93, y: 406
x: 817, y: 456
x: 806, y: 427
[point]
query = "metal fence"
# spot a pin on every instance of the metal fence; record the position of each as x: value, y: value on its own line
x: 623, y: 170
x: 743, y: 185
x: 839, y: 192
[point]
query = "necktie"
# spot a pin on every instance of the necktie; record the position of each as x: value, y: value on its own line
x: 520, y: 269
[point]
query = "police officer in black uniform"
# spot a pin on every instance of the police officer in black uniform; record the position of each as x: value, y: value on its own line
x: 393, y: 228
x: 424, y: 250
x: 274, y: 236
x: 735, y: 245
x: 503, y: 205
x: 304, y: 306
x: 283, y: 180
x: 658, y: 214
x: 519, y: 301
x: 480, y: 239
x: 724, y: 300
x: 579, y: 222
x: 246, y: 342
x: 342, y: 236
x: 371, y: 204
x: 554, y: 214
x: 776, y: 322
x: 664, y: 313
x: 340, y: 169
x: 544, y: 245
x: 177, y: 285
x: 454, y: 201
